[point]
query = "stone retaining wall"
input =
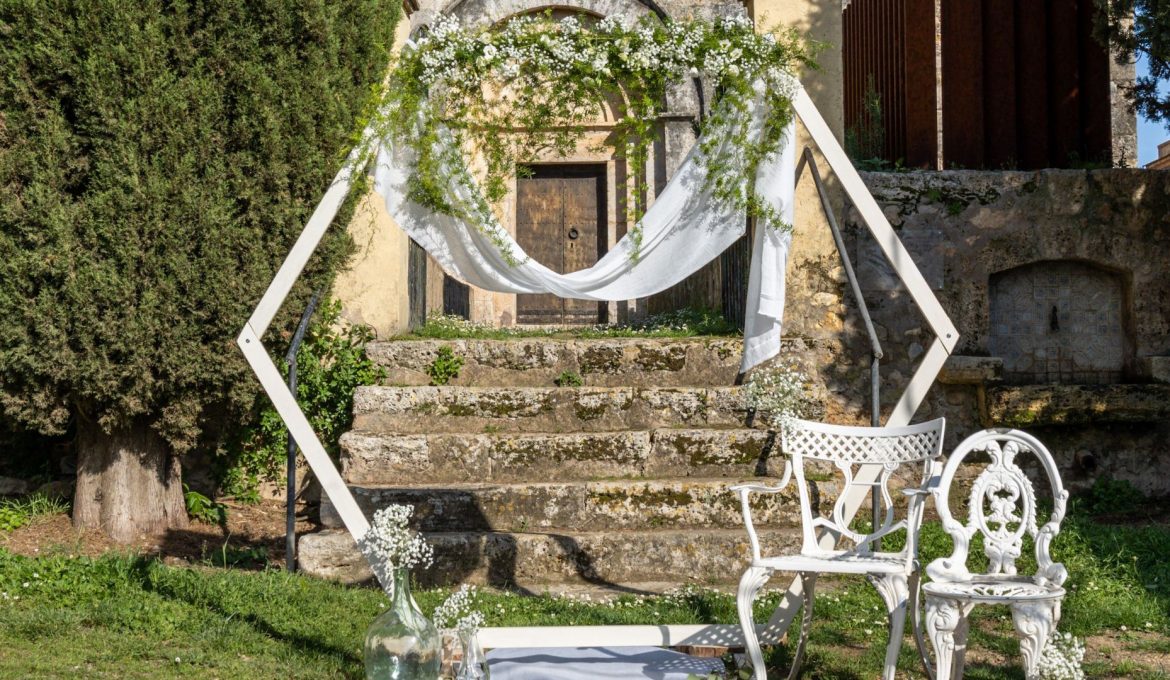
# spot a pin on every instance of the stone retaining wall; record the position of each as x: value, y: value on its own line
x: 966, y: 229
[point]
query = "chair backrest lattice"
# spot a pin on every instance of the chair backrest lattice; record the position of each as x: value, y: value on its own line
x: 848, y: 448
x: 1001, y: 508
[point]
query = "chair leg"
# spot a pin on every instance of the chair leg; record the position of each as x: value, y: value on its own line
x: 946, y: 624
x: 961, y: 631
x: 808, y: 584
x: 915, y: 607
x: 749, y: 585
x: 895, y: 590
x: 1034, y: 622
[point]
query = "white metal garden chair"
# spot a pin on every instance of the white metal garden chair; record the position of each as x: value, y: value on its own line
x: 894, y: 574
x: 1002, y: 509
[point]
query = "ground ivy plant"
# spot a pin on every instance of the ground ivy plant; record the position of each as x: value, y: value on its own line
x: 507, y: 95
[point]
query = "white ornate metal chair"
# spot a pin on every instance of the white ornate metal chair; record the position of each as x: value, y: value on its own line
x: 894, y: 574
x: 1001, y: 508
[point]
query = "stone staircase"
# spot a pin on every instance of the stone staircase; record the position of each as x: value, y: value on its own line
x: 621, y: 482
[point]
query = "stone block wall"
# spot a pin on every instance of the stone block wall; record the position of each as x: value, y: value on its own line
x: 1058, y: 281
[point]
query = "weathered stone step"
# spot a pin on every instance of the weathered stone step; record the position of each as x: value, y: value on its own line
x: 535, y: 362
x: 579, y: 506
x: 700, y: 556
x: 434, y: 410
x: 372, y: 458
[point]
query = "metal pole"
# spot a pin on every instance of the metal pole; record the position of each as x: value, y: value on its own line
x: 290, y: 509
x: 808, y: 159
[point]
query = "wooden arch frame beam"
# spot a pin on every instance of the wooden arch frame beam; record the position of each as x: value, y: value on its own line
x: 271, y: 380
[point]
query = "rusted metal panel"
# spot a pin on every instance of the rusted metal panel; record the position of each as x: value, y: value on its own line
x: 921, y: 127
x: 1032, y: 84
x: 1096, y: 125
x: 890, y: 45
x: 962, y: 61
x: 1064, y: 120
x: 1025, y: 84
x: 999, y: 81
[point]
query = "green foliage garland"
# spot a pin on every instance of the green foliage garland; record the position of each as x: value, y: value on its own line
x: 507, y: 96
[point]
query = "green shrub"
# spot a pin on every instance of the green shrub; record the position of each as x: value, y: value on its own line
x: 445, y: 367
x: 331, y: 363
x: 1109, y: 496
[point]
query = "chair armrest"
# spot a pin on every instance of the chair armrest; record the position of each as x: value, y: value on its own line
x: 758, y: 488
x: 746, y: 488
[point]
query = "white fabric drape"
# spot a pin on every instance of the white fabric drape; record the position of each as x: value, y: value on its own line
x: 684, y: 229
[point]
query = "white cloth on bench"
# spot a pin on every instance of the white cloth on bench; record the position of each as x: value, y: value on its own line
x: 597, y: 663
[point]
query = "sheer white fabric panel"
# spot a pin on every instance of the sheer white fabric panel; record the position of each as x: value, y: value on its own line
x: 684, y: 229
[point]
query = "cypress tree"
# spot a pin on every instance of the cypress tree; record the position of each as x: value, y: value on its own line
x: 157, y: 160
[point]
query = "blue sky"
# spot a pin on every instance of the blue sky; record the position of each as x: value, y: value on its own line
x: 1149, y: 134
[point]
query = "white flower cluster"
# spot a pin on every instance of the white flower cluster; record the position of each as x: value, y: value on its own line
x: 1061, y: 658
x: 525, y: 45
x: 777, y: 393
x: 540, y: 81
x: 457, y: 615
x: 391, y: 544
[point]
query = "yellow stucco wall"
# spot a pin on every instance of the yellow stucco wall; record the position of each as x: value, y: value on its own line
x: 373, y: 290
x: 814, y: 309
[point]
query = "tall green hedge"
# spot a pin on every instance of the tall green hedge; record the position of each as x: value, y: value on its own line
x: 157, y: 160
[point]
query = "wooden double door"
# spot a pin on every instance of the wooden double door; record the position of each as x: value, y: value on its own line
x: 560, y: 222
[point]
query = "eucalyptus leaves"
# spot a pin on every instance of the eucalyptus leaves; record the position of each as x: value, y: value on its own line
x: 527, y: 90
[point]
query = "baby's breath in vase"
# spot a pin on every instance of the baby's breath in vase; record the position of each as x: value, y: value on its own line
x: 401, y: 644
x: 457, y: 615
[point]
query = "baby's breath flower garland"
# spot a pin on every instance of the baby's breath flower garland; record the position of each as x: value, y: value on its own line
x: 512, y: 94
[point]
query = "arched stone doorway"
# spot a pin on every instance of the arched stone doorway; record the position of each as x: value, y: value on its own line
x: 616, y: 184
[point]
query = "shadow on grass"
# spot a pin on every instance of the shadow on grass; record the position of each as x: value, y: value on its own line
x: 217, y: 600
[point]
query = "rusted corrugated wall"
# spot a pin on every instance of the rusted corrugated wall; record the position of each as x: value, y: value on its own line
x: 1024, y: 83
x: 890, y: 47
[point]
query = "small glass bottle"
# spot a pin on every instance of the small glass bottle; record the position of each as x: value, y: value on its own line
x: 474, y: 665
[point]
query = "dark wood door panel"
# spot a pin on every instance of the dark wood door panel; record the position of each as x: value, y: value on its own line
x: 539, y: 218
x: 560, y: 214
x: 580, y: 241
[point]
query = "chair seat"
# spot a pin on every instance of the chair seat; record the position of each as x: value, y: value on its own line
x: 994, y: 589
x: 841, y: 562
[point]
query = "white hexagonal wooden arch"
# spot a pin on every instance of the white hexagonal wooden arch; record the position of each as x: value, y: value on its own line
x: 946, y: 336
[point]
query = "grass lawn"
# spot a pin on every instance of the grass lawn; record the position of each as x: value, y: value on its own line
x: 126, y: 616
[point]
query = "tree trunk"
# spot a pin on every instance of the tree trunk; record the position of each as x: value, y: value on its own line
x: 128, y: 483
